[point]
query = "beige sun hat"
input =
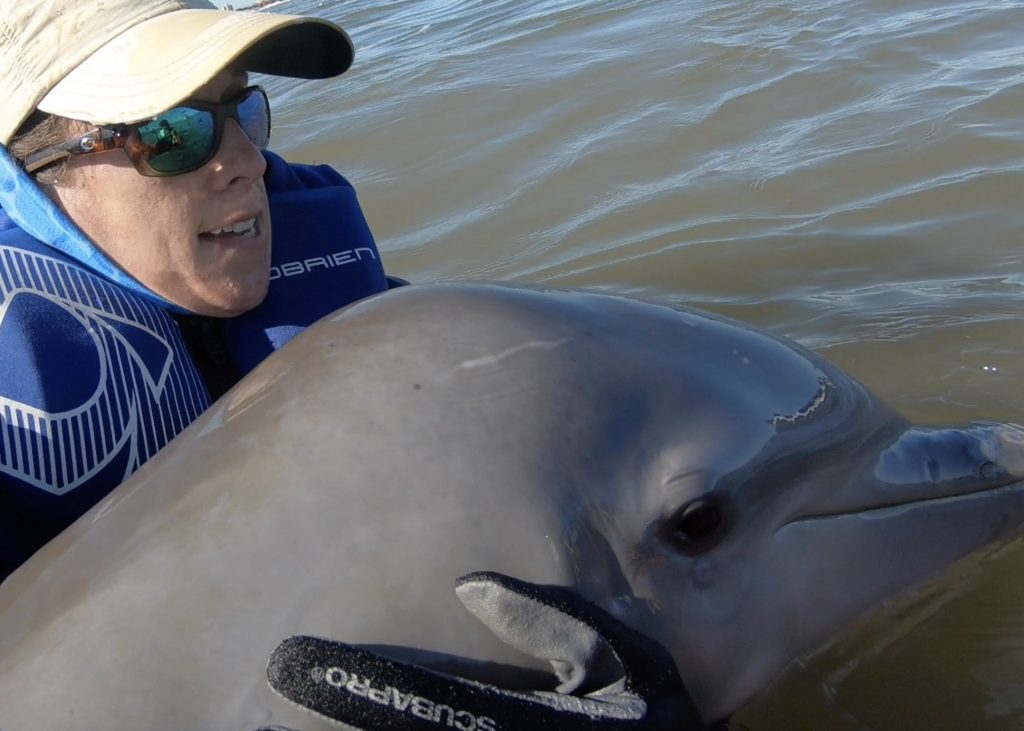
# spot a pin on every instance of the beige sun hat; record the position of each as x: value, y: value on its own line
x: 115, y: 61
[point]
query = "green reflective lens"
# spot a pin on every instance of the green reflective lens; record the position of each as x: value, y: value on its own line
x: 179, y: 139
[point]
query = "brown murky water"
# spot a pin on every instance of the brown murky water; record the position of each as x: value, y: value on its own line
x: 848, y: 174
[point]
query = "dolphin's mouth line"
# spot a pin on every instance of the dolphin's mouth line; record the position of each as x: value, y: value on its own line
x: 891, y: 509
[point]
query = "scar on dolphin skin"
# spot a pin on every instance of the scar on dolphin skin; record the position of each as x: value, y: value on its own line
x: 508, y: 352
x: 825, y: 391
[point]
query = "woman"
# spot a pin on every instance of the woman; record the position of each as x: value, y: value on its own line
x: 138, y: 281
x: 138, y: 206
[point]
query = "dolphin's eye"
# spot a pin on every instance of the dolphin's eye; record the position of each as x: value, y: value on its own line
x: 697, y: 526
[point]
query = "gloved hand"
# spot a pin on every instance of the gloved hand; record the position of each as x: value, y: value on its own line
x: 641, y: 688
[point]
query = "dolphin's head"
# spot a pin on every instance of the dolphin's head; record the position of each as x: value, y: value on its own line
x: 770, y: 500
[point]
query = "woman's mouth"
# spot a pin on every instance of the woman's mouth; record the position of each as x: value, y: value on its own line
x: 245, y: 229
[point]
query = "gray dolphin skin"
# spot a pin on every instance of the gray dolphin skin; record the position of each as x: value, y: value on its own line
x: 727, y: 492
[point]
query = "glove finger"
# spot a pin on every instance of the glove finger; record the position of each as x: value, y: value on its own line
x: 510, y: 607
x: 530, y: 619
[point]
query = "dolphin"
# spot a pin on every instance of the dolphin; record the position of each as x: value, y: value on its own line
x: 727, y: 492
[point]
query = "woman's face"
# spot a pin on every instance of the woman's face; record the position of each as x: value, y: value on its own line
x: 166, y: 232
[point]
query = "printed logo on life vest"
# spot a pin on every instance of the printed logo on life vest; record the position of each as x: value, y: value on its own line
x: 306, y: 266
x: 410, y: 703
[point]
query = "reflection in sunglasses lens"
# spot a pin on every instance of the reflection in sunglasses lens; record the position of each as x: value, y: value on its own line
x: 178, y: 139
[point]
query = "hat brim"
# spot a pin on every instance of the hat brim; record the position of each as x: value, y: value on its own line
x: 156, y: 64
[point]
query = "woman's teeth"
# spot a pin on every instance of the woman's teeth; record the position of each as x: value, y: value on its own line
x: 242, y: 228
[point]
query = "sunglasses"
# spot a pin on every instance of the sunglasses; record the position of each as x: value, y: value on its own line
x: 178, y: 141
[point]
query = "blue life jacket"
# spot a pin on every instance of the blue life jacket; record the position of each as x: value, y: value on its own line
x: 94, y: 374
x: 323, y: 257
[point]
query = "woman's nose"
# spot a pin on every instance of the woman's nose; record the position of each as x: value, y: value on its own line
x: 238, y: 157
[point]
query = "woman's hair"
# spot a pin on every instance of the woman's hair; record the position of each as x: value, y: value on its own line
x: 39, y: 131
